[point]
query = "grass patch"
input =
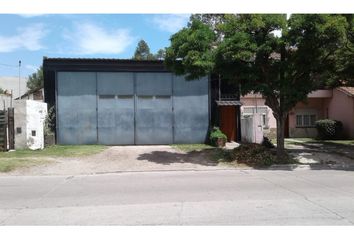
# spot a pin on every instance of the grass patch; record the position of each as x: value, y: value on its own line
x: 221, y: 155
x: 191, y: 147
x: 7, y: 165
x: 55, y: 151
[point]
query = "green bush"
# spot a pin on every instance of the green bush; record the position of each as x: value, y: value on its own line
x: 215, y: 134
x: 329, y: 129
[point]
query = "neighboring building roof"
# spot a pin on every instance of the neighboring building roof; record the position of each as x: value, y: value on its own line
x: 347, y: 90
x: 98, y: 60
x: 29, y: 92
x: 228, y: 103
x: 102, y: 64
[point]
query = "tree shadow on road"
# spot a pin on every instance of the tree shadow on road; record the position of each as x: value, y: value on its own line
x: 202, y: 157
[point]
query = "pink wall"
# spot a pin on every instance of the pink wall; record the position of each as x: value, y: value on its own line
x: 313, y: 106
x: 325, y: 103
x: 257, y: 100
x: 341, y: 107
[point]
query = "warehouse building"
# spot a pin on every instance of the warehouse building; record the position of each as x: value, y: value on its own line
x: 125, y: 102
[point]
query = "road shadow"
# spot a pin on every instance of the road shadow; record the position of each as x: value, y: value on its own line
x: 202, y: 157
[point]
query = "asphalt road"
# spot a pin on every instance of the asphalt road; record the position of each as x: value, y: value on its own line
x: 222, y: 197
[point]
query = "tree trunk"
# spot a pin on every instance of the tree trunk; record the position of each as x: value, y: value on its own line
x: 280, y: 136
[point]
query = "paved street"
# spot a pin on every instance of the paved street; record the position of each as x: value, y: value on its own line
x: 220, y: 197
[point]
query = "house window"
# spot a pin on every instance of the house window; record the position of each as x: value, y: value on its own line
x: 264, y: 120
x: 298, y: 120
x: 33, y: 133
x: 18, y: 130
x: 305, y: 120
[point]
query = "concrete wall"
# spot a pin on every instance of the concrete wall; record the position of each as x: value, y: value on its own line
x: 29, y: 116
x: 260, y: 102
x: 253, y: 100
x: 251, y: 129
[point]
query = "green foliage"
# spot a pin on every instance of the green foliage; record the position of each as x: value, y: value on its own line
x: 191, y: 51
x: 142, y: 52
x: 35, y: 80
x: 329, y: 129
x: 2, y: 91
x: 283, y: 67
x: 160, y: 55
x: 49, y: 124
x: 191, y: 147
x: 215, y: 134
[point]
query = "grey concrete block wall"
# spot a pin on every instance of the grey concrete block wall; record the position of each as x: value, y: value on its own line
x: 119, y: 108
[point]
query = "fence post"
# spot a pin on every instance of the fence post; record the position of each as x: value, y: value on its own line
x: 11, y: 127
x: 3, y: 132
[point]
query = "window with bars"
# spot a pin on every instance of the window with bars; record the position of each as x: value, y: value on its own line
x: 305, y: 120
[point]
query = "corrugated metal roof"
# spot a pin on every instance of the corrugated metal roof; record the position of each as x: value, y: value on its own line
x: 228, y: 103
x: 98, y: 60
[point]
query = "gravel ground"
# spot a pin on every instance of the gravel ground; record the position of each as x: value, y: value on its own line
x: 125, y: 158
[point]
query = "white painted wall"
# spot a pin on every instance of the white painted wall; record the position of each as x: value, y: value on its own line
x: 251, y: 129
x: 29, y: 116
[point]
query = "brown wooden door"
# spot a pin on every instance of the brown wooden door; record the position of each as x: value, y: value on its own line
x: 228, y: 121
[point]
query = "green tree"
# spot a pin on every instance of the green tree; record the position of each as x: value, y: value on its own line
x: 35, y: 80
x: 160, y: 55
x: 245, y: 49
x: 142, y: 52
x: 345, y: 56
x: 2, y: 91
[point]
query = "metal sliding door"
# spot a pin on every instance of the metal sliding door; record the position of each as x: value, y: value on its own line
x: 154, y: 117
x: 76, y: 115
x: 191, y: 110
x: 115, y: 108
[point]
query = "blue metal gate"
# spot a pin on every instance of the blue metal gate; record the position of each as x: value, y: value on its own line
x: 154, y: 108
x: 118, y: 108
x: 115, y: 108
x: 76, y: 114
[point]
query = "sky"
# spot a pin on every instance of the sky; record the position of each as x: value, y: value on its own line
x: 30, y: 37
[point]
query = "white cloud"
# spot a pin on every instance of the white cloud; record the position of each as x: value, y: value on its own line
x: 170, y: 22
x: 28, y: 38
x: 31, y: 15
x: 32, y: 67
x: 89, y: 38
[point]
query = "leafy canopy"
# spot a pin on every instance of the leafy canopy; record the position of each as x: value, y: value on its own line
x: 283, y: 59
x: 142, y: 51
x: 35, y: 80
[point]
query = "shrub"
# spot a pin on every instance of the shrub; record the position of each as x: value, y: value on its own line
x: 329, y: 129
x: 215, y: 134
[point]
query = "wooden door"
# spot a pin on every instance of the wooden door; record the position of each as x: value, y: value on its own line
x: 228, y: 121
